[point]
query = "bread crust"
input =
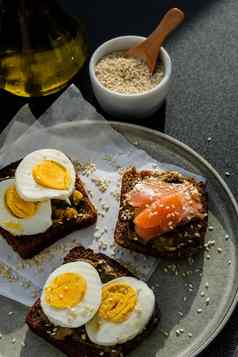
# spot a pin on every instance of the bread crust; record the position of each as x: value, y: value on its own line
x: 28, y: 246
x: 74, y: 342
x: 184, y: 241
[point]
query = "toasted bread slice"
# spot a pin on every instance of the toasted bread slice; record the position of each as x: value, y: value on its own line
x: 30, y: 245
x: 184, y: 241
x: 74, y: 342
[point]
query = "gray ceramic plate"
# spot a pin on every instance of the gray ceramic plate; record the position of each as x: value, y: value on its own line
x: 196, y: 297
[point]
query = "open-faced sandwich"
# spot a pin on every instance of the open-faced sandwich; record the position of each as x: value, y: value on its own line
x: 42, y: 199
x: 93, y: 306
x: 161, y: 214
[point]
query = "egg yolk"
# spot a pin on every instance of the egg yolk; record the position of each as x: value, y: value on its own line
x: 51, y: 174
x: 118, y: 301
x: 66, y: 290
x: 18, y: 207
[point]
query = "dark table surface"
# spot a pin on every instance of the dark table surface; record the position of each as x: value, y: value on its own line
x: 202, y: 102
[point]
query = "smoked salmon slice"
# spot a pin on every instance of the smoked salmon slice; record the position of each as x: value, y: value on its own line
x: 149, y: 190
x: 161, y: 206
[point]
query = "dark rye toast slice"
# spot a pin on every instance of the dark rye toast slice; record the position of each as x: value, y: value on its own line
x: 74, y: 342
x: 63, y: 224
x: 184, y: 241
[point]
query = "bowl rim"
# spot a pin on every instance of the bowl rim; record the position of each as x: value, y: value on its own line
x: 166, y: 62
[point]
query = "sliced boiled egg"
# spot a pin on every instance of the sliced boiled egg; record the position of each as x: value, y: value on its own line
x: 72, y: 294
x: 126, y: 308
x: 45, y: 174
x: 20, y: 217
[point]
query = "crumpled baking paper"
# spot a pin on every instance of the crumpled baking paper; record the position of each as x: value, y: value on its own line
x: 102, y: 152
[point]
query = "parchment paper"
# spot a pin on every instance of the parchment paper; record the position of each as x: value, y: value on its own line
x: 102, y: 154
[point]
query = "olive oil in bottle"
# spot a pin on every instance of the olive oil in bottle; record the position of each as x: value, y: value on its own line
x: 41, y: 47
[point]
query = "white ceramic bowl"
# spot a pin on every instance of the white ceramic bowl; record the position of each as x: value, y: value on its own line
x: 139, y: 105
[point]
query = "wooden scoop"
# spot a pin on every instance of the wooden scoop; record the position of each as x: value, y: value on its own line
x: 149, y: 49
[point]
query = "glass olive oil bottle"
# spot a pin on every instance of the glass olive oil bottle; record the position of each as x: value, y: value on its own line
x: 41, y: 47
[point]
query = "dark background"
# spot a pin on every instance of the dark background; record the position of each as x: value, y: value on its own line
x: 202, y: 102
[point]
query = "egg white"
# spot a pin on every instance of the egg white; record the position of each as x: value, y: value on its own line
x: 109, y: 333
x: 38, y: 223
x: 86, y: 309
x: 28, y: 189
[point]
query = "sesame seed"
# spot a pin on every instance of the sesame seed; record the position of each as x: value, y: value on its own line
x: 185, y: 298
x: 13, y: 340
x: 227, y: 236
x: 229, y: 262
x: 181, y: 330
x: 23, y: 344
x: 199, y: 311
x: 165, y: 333
x: 210, y: 228
x: 177, y: 332
x: 227, y: 173
x: 209, y: 139
x: 208, y: 256
x: 207, y: 285
x: 202, y: 294
x: 219, y: 250
x: 180, y: 313
x: 10, y: 313
x: 190, y: 334
x: 0, y: 336
x: 208, y: 301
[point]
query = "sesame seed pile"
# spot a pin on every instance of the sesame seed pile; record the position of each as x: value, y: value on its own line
x: 126, y: 75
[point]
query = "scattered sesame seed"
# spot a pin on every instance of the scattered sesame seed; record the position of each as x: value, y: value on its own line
x: 219, y: 250
x: 207, y: 285
x: 227, y: 236
x: 209, y: 139
x: 190, y: 334
x: 181, y: 330
x: 165, y: 270
x: 227, y: 173
x: 202, y: 294
x: 185, y: 298
x: 165, y: 333
x: 0, y: 336
x: 210, y: 228
x: 208, y: 256
x: 199, y: 311
x: 177, y: 332
x: 23, y: 344
x: 208, y: 301
x: 13, y: 340
x: 10, y: 313
x: 229, y: 262
x: 180, y: 313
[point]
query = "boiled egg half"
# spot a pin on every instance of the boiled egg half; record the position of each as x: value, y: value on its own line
x: 126, y: 308
x: 45, y: 174
x: 72, y: 294
x: 20, y: 217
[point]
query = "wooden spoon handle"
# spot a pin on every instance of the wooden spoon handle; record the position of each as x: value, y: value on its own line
x: 150, y: 48
x: 171, y: 20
